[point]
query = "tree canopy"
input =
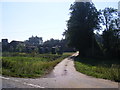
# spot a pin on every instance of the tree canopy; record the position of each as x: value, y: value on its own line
x: 80, y: 26
x: 111, y: 33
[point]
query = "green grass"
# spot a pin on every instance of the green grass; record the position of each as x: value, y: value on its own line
x: 106, y: 69
x: 25, y: 65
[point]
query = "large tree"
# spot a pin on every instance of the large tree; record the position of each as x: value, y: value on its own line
x: 111, y: 34
x: 80, y: 26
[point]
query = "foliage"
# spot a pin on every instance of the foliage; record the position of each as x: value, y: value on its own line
x: 52, y: 42
x: 25, y: 65
x: 111, y: 39
x: 106, y: 69
x: 83, y: 21
x: 107, y: 19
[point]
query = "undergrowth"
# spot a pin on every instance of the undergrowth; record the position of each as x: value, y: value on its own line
x: 105, y: 69
x: 25, y: 65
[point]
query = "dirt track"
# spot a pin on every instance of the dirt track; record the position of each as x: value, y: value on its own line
x: 64, y: 75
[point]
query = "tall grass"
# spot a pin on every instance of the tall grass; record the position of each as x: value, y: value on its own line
x: 28, y: 66
x: 99, y: 70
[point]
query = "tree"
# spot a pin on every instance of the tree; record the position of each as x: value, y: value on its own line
x: 111, y: 39
x: 51, y: 43
x: 80, y: 26
x: 107, y: 19
x: 20, y: 47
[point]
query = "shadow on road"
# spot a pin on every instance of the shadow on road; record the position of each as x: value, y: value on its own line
x: 71, y: 57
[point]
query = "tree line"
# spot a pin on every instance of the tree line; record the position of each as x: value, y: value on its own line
x: 84, y: 20
x: 36, y: 45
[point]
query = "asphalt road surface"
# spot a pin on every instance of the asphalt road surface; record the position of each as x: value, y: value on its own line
x: 64, y: 75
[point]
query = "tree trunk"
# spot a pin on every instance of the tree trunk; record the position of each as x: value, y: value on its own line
x: 82, y: 54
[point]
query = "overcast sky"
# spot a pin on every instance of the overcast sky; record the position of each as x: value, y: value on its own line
x: 21, y: 20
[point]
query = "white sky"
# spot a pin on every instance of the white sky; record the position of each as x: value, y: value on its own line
x: 47, y: 19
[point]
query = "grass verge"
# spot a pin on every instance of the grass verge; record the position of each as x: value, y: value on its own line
x: 28, y: 66
x: 105, y: 69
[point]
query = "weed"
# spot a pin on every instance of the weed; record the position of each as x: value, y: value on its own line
x: 105, y: 71
x: 24, y: 65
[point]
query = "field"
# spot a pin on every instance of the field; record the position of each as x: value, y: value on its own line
x: 29, y: 65
x: 99, y: 68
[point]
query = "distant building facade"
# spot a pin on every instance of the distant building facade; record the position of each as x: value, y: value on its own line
x: 34, y: 41
x: 4, y: 41
x: 4, y: 44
